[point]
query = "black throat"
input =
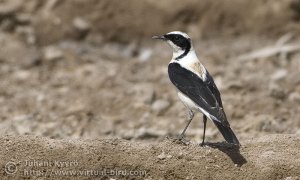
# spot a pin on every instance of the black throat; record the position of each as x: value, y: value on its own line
x: 186, y: 51
x: 180, y: 41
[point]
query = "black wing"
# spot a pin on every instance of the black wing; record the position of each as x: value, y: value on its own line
x: 204, y: 93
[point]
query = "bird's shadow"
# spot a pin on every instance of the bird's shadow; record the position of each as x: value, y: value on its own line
x: 231, y: 150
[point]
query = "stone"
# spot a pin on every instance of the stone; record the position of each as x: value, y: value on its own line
x: 279, y: 75
x: 145, y: 54
x: 82, y: 27
x: 160, y: 106
x: 163, y: 156
x: 277, y: 92
x: 294, y: 97
x: 10, y: 7
x: 81, y: 24
x: 52, y: 53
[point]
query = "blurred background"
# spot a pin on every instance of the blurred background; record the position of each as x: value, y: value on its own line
x: 89, y: 68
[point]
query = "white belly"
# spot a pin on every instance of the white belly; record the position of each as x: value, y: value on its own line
x: 188, y: 102
x: 191, y: 105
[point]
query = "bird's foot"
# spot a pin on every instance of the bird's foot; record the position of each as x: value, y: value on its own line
x: 202, y: 144
x: 183, y: 140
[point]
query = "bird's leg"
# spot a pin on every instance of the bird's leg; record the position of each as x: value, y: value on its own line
x: 190, y: 116
x: 204, y: 122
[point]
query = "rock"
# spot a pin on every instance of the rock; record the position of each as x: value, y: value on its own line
x: 27, y: 32
x: 23, y: 18
x: 52, y: 53
x: 49, y: 5
x: 219, y: 82
x: 160, y: 106
x: 279, y: 75
x: 129, y: 51
x: 294, y: 97
x: 96, y: 39
x: 10, y: 7
x: 144, y: 93
x: 82, y: 27
x: 23, y: 124
x: 234, y: 85
x: 180, y: 155
x: 22, y: 75
x: 18, y: 53
x: 163, y: 156
x: 119, y: 51
x: 266, y: 123
x: 145, y: 54
x: 144, y: 133
x: 276, y: 91
x: 148, y: 95
x: 81, y: 24
x: 127, y: 134
x: 7, y: 25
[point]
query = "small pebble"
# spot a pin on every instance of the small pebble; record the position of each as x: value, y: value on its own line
x: 279, y: 75
x: 160, y: 106
x: 81, y: 24
x: 294, y: 97
x: 163, y: 156
x: 52, y: 53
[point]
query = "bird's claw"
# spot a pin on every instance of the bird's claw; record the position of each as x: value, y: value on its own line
x: 202, y: 144
x: 183, y: 140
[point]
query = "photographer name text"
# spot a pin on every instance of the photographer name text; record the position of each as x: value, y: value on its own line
x: 55, y: 163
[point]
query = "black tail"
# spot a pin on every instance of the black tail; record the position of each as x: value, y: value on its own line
x: 227, y: 133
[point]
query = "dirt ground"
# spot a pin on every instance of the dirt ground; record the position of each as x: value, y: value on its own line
x: 267, y: 157
x: 84, y: 79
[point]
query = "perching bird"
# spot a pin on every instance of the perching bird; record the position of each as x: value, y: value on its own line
x: 195, y: 87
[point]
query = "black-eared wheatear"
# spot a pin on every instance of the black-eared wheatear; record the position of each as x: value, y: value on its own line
x: 195, y: 86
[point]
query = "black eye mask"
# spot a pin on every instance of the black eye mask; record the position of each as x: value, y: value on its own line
x: 179, y: 40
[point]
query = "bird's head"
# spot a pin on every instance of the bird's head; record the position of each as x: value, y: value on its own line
x: 179, y: 41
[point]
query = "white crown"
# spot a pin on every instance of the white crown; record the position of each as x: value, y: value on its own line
x: 179, y: 32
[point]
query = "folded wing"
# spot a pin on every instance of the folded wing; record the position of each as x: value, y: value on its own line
x: 204, y: 93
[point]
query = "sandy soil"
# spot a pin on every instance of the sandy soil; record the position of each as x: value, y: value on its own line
x: 268, y: 157
x: 76, y: 71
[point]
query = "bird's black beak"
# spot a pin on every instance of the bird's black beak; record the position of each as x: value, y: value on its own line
x: 159, y: 37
